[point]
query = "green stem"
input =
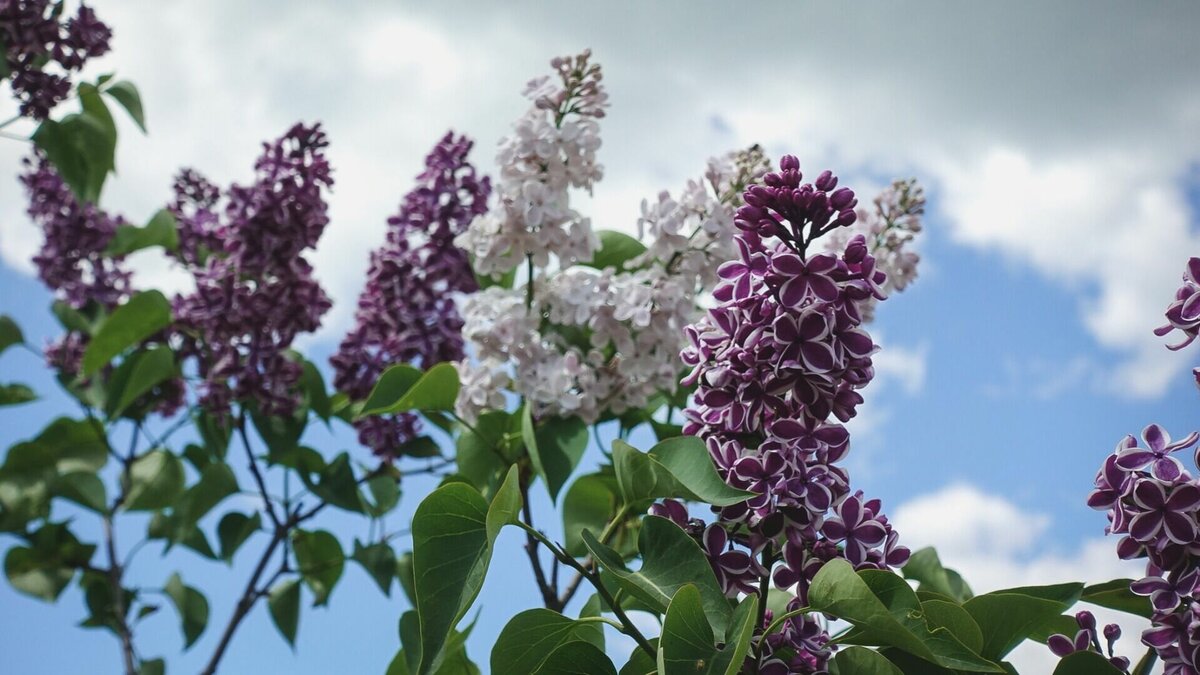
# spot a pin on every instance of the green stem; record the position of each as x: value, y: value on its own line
x: 594, y: 579
x: 1146, y: 664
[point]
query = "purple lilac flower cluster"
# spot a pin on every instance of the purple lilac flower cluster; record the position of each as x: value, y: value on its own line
x: 32, y: 35
x: 1154, y: 503
x: 1183, y: 314
x: 1087, y: 639
x: 256, y: 292
x: 407, y: 312
x: 782, y: 352
x: 71, y: 260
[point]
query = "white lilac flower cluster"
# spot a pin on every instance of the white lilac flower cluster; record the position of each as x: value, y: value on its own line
x: 574, y: 339
x: 888, y: 229
x: 552, y: 148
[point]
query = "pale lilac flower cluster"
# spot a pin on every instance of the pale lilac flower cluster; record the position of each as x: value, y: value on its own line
x: 1087, y: 639
x: 782, y: 352
x: 33, y: 36
x: 889, y: 230
x: 551, y: 149
x: 407, y: 312
x: 591, y: 342
x: 197, y: 222
x: 1154, y: 504
x: 254, y: 297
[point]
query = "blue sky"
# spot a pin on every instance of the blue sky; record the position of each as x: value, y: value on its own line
x: 1062, y: 209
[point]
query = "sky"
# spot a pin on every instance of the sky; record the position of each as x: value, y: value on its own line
x: 1057, y: 143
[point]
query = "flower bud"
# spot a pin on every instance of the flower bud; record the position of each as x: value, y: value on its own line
x: 1086, y: 620
x: 826, y: 181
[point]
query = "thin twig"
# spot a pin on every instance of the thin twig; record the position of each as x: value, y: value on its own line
x: 249, y: 596
x: 549, y: 594
x: 268, y: 505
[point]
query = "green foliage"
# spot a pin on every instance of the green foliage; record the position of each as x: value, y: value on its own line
x: 161, y: 231
x: 379, y: 560
x: 155, y: 481
x: 454, y: 530
x: 233, y: 531
x: 862, y: 661
x: 1008, y: 617
x: 527, y: 640
x: 16, y: 394
x: 10, y: 333
x: 1116, y: 595
x: 192, y: 607
x: 616, y: 249
x: 677, y: 467
x: 670, y: 560
x: 283, y: 601
x: 886, y: 612
x: 1085, y: 663
x: 321, y: 561
x: 47, y: 564
x: 925, y: 567
x: 591, y: 503
x: 555, y: 448
x: 140, y: 317
x: 125, y: 93
x: 137, y: 375
x: 687, y: 644
x: 403, y: 388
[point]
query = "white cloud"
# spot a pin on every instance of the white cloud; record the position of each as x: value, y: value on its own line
x: 996, y: 544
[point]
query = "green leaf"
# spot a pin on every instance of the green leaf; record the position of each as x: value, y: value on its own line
x: 84, y: 488
x: 1116, y: 595
x: 1009, y: 616
x: 687, y: 646
x: 454, y: 661
x: 862, y: 661
x: 155, y: 481
x: 314, y: 388
x: 670, y: 559
x: 216, y: 483
x: 616, y: 249
x: 576, y: 658
x: 80, y: 146
x: 125, y: 93
x: 555, y: 448
x: 675, y: 468
x: 28, y: 573
x: 162, y: 230
x: 952, y: 617
x: 321, y: 561
x: 152, y: 667
x: 590, y: 503
x: 882, y: 606
x: 478, y: 456
x: 925, y: 567
x: 10, y: 333
x: 404, y: 573
x: 103, y: 154
x: 140, y: 317
x: 16, y: 394
x: 45, y: 567
x: 284, y: 604
x: 453, y: 532
x: 138, y: 375
x: 192, y: 607
x: 641, y: 663
x: 233, y: 530
x: 379, y: 560
x: 528, y: 638
x: 337, y: 485
x: 1085, y: 663
x: 437, y: 389
x: 385, y: 494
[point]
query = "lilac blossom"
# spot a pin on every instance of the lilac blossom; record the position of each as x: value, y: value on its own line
x: 781, y: 353
x: 1183, y: 314
x: 1087, y: 639
x: 33, y: 37
x: 408, y: 312
x: 254, y: 297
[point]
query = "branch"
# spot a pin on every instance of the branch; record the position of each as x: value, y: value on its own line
x: 549, y: 593
x: 114, y: 580
x: 246, y: 602
x: 594, y: 579
x: 268, y: 505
